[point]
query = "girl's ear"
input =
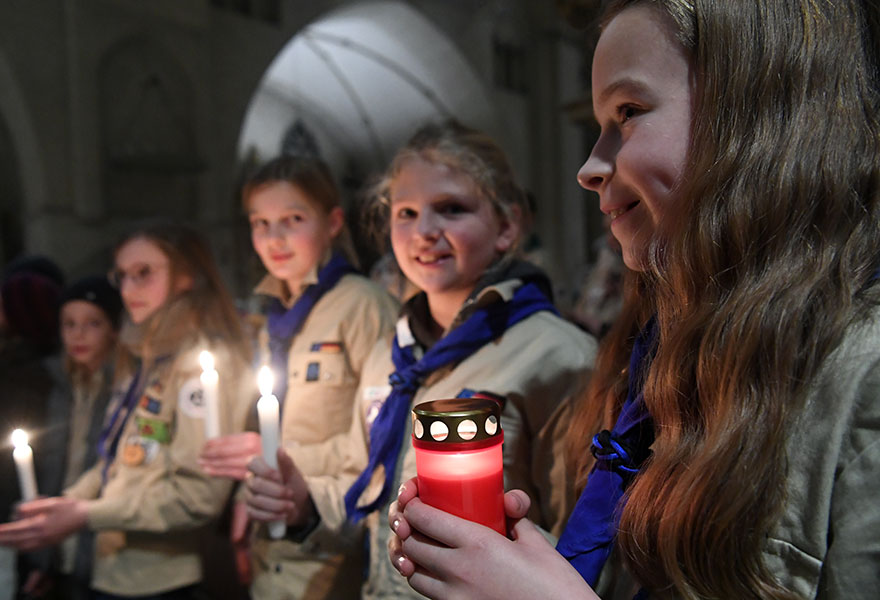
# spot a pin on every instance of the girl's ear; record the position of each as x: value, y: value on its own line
x: 508, y: 234
x: 182, y: 283
x: 335, y: 221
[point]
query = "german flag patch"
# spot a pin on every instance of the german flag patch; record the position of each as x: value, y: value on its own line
x: 327, y: 347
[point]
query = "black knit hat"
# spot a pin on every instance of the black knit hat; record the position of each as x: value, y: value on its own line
x: 34, y: 263
x: 97, y: 290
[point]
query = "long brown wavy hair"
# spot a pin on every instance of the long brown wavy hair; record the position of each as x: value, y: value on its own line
x: 205, y: 308
x: 754, y: 282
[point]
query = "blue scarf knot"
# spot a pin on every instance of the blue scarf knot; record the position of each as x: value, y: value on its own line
x: 402, y: 383
x: 619, y: 455
x: 387, y: 430
x: 588, y: 536
x: 283, y: 324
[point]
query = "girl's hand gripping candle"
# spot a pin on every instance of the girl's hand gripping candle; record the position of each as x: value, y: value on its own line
x: 268, y: 410
x: 23, y: 455
x: 458, y: 458
x: 210, y: 379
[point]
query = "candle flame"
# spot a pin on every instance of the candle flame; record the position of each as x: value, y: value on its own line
x: 19, y: 438
x: 265, y: 380
x: 206, y: 360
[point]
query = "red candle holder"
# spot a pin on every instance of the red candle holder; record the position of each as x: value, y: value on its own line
x: 458, y: 458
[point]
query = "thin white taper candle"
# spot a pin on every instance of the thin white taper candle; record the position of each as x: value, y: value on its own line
x: 23, y: 455
x: 268, y: 410
x: 210, y: 379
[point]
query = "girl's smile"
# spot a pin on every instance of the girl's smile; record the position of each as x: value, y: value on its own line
x: 289, y: 233
x: 642, y: 101
x: 444, y: 233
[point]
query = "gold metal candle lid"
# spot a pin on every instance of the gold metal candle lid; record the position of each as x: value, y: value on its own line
x: 457, y: 420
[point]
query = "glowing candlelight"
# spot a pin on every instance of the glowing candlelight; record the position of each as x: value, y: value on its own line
x: 459, y: 461
x: 268, y: 410
x: 23, y: 455
x: 210, y: 379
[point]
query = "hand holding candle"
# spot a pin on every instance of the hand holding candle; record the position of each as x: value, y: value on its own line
x: 210, y: 379
x: 23, y: 456
x: 268, y: 410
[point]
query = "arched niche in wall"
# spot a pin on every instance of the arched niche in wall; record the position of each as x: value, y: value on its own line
x: 150, y: 159
x: 361, y: 79
x: 358, y: 81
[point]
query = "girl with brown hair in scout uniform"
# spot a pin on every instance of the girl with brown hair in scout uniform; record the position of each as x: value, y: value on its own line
x: 323, y: 319
x: 729, y: 445
x: 147, y: 494
x: 483, y: 323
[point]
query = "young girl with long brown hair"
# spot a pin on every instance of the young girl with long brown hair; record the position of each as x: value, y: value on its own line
x: 729, y: 443
x: 146, y: 495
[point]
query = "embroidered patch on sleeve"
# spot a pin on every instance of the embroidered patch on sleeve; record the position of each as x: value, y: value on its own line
x: 327, y: 347
x: 374, y: 398
x: 155, y: 388
x: 139, y: 450
x: 153, y: 429
x: 151, y: 404
x: 313, y: 371
x: 190, y: 399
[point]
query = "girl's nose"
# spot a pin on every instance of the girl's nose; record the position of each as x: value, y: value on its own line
x: 274, y: 231
x: 428, y: 226
x: 599, y: 166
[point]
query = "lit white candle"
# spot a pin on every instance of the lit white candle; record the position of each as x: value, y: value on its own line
x: 270, y: 429
x: 209, y: 379
x: 23, y: 456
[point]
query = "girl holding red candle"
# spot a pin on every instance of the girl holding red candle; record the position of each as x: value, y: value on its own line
x: 729, y: 441
x: 147, y: 494
x: 323, y: 319
x: 483, y: 322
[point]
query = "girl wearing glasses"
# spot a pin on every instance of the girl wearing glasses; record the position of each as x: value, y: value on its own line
x: 147, y: 493
x: 323, y: 319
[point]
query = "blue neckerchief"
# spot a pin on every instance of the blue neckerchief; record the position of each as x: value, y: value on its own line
x: 587, y: 539
x: 284, y: 324
x: 108, y: 441
x: 387, y: 431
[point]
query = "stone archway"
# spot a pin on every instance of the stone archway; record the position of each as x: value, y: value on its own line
x: 361, y: 79
x: 22, y: 178
x: 352, y: 86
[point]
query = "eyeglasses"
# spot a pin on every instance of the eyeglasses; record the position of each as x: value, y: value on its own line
x: 140, y: 275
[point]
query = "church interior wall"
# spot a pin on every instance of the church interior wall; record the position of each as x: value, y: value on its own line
x: 77, y: 66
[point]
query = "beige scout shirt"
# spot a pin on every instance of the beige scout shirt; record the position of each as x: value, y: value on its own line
x: 535, y: 365
x: 324, y: 368
x: 156, y: 494
x: 827, y: 543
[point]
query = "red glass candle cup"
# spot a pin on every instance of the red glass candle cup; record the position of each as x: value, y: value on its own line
x: 458, y: 458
